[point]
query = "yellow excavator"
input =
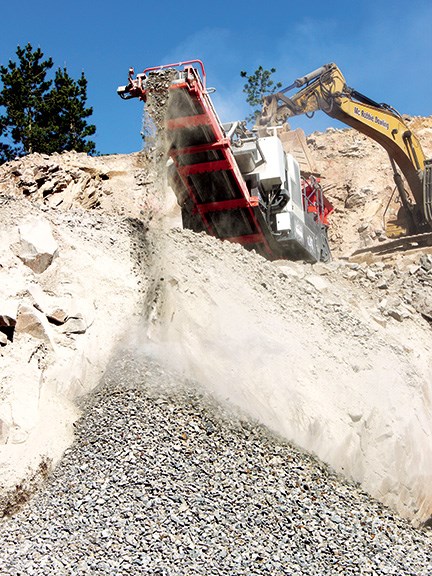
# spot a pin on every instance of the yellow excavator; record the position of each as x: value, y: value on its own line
x: 326, y: 89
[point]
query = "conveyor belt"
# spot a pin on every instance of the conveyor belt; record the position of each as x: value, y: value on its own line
x: 207, y: 169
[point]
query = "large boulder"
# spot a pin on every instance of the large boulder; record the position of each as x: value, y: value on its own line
x: 31, y: 321
x: 36, y: 247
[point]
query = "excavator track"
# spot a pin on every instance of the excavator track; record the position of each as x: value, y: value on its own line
x: 402, y: 244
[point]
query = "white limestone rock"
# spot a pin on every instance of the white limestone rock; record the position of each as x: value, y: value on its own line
x: 37, y: 247
x: 8, y: 313
x: 74, y: 326
x: 31, y: 321
x: 55, y: 309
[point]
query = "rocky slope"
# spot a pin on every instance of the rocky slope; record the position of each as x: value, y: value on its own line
x: 69, y: 283
x: 335, y: 358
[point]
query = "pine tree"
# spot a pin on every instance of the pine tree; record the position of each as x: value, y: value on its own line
x: 23, y: 91
x: 65, y: 106
x: 258, y: 85
x: 41, y: 115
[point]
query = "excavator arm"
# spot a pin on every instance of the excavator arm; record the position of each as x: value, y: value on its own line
x: 326, y: 89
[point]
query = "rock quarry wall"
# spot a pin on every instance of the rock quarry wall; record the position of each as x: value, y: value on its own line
x: 336, y: 357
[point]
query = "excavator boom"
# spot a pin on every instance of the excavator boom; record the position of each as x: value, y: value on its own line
x: 326, y: 89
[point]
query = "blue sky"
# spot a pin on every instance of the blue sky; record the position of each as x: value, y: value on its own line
x: 383, y: 47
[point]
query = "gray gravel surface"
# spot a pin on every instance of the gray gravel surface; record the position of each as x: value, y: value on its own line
x: 161, y: 480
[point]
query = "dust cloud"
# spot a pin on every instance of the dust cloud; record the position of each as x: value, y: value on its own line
x: 308, y: 364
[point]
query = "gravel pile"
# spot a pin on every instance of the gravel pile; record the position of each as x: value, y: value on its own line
x: 157, y: 86
x: 163, y: 481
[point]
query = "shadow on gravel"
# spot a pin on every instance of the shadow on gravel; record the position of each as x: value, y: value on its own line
x: 13, y: 500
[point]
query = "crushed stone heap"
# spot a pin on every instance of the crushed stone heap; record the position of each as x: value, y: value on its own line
x: 161, y: 480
